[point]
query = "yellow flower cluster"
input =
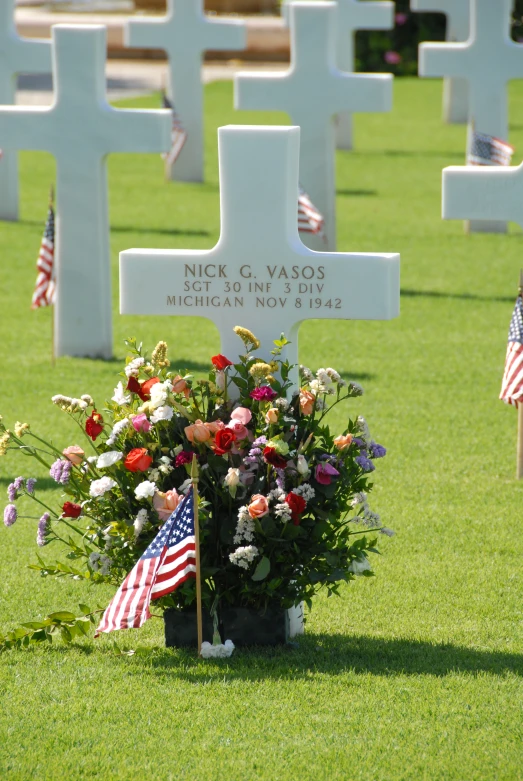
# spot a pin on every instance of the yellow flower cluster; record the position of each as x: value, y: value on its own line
x: 4, y: 442
x: 260, y: 370
x: 21, y: 428
x: 159, y: 356
x: 247, y: 337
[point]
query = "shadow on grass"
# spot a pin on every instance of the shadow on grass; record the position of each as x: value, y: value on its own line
x: 160, y: 231
x: 407, y: 293
x: 42, y: 484
x: 336, y: 654
x: 356, y: 192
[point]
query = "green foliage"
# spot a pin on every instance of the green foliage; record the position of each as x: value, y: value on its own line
x: 63, y: 624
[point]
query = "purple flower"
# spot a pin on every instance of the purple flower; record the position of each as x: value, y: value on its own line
x: 30, y: 485
x: 324, y: 473
x: 18, y: 483
x: 10, y: 515
x: 365, y: 463
x: 60, y: 471
x: 377, y: 451
x: 11, y: 492
x: 184, y: 457
x: 401, y: 19
x: 360, y: 443
x: 263, y: 393
x: 392, y: 58
x: 43, y: 528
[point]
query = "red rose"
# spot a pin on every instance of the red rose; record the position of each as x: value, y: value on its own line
x: 273, y: 458
x: 223, y: 441
x: 138, y: 460
x: 70, y: 510
x: 297, y: 505
x: 221, y: 362
x: 143, y: 390
x: 94, y: 425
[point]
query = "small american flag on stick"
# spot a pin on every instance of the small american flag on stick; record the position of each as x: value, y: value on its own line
x: 45, y: 288
x: 488, y: 150
x: 512, y: 384
x: 168, y: 561
x: 178, y: 134
x: 310, y: 220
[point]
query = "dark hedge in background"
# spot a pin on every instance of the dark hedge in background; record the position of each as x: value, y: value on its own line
x: 396, y: 51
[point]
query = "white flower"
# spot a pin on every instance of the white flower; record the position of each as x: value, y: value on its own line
x: 323, y: 377
x: 302, y: 466
x: 306, y: 373
x: 159, y: 392
x: 306, y: 491
x: 91, y: 459
x: 333, y: 374
x: 184, y: 488
x: 281, y: 403
x: 242, y: 557
x: 108, y: 459
x: 88, y: 399
x: 359, y: 498
x: 358, y: 566
x: 220, y: 380
x: 283, y: 511
x: 118, y: 427
x: 145, y: 489
x: 244, y: 526
x: 153, y: 474
x: 232, y: 478
x: 356, y: 388
x: 362, y: 424
x: 133, y: 368
x: 100, y: 487
x: 119, y: 395
x: 166, y: 469
x: 140, y: 521
x: 162, y: 413
x: 220, y: 651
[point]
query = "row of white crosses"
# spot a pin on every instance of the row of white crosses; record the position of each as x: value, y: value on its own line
x: 487, y: 60
x: 352, y: 15
x: 16, y: 56
x: 312, y: 92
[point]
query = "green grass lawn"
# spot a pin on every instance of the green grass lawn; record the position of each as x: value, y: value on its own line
x: 415, y: 674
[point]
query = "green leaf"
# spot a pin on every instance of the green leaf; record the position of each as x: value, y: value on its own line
x: 263, y: 569
x: 63, y: 615
x: 86, y: 610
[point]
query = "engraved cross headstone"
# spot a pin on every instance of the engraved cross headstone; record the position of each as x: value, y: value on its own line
x: 259, y: 274
x: 353, y: 15
x: 483, y: 193
x: 312, y: 91
x: 488, y: 60
x: 80, y: 129
x: 455, y: 90
x: 185, y: 34
x: 17, y: 55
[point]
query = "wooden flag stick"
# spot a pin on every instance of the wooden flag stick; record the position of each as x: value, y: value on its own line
x: 519, y: 465
x: 53, y: 351
x: 194, y: 478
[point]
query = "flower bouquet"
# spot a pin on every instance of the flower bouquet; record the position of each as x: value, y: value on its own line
x: 283, y: 508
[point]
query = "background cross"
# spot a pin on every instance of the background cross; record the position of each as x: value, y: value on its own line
x: 259, y: 274
x: 185, y: 34
x: 455, y: 90
x: 16, y: 56
x: 482, y: 193
x: 80, y: 130
x: 312, y: 91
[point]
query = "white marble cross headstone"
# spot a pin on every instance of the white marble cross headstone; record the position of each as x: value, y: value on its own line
x: 312, y: 91
x: 16, y: 56
x: 483, y: 193
x: 259, y: 275
x: 353, y: 15
x: 455, y: 90
x: 488, y: 60
x: 185, y: 34
x: 80, y: 129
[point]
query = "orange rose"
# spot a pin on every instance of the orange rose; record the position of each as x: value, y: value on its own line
x: 138, y: 460
x: 307, y: 401
x: 166, y: 503
x: 343, y: 441
x: 258, y: 507
x: 180, y: 386
x: 272, y: 415
x: 197, y: 432
x: 214, y: 426
x: 74, y: 453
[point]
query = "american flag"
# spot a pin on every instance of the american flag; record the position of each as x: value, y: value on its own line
x: 168, y: 561
x: 487, y: 150
x: 512, y: 384
x: 178, y: 134
x: 45, y: 288
x: 309, y: 218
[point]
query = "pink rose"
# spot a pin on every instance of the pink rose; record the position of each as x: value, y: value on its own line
x: 239, y: 430
x: 307, y: 402
x: 214, y: 426
x: 325, y: 472
x: 241, y: 415
x: 74, y: 453
x: 272, y: 415
x: 258, y: 507
x: 197, y: 432
x: 166, y: 503
x: 140, y: 423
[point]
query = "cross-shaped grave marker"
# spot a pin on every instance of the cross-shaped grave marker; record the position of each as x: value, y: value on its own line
x: 185, y: 34
x: 455, y: 90
x: 312, y: 91
x: 483, y: 193
x: 353, y: 15
x: 80, y: 129
x: 16, y: 56
x: 488, y: 60
x: 259, y: 275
